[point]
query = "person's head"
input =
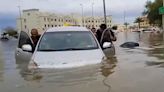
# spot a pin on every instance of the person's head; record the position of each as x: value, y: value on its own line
x: 103, y: 26
x: 114, y: 27
x: 34, y: 32
x: 93, y: 30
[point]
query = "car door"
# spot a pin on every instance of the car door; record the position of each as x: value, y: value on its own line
x: 23, y: 56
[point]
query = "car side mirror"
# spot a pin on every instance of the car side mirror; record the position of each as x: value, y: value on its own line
x: 27, y: 48
x: 107, y: 45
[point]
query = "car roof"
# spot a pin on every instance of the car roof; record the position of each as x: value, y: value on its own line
x: 68, y: 28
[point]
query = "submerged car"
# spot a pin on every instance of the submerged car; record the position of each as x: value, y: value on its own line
x: 61, y: 47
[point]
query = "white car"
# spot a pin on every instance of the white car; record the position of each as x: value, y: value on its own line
x: 61, y: 47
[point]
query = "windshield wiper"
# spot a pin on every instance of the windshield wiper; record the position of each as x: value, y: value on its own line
x: 77, y: 48
x: 66, y: 49
x: 47, y: 50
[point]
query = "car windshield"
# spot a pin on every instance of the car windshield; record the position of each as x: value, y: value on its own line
x: 62, y: 41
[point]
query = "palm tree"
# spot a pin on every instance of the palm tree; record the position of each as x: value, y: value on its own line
x: 138, y: 20
x: 126, y: 24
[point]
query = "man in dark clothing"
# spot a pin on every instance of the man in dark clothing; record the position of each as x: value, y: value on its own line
x: 35, y: 37
x: 105, y: 35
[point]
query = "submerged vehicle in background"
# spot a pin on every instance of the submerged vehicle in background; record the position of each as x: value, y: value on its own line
x: 61, y: 47
x: 4, y: 37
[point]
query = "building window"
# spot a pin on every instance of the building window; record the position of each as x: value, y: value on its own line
x: 25, y: 26
x: 55, y: 19
x: 45, y: 25
x: 48, y: 25
x: 55, y: 25
x: 43, y: 28
x: 110, y: 21
x: 52, y: 25
x: 28, y: 14
x: 51, y: 19
x: 59, y: 20
x: 47, y: 19
x: 25, y: 20
x: 44, y: 19
x: 89, y: 21
x: 66, y: 20
x: 92, y: 21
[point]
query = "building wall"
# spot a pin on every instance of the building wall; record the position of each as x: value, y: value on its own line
x: 97, y: 21
x: 145, y: 23
x: 33, y: 18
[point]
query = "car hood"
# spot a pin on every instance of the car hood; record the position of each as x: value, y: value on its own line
x: 67, y: 59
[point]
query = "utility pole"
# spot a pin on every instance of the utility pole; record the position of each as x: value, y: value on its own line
x: 124, y: 16
x: 163, y: 18
x: 20, y: 15
x: 104, y: 12
x: 82, y: 14
x: 93, y: 14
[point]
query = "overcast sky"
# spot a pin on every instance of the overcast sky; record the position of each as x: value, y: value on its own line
x: 133, y: 8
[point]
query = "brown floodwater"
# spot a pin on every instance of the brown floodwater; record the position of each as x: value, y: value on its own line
x: 131, y: 70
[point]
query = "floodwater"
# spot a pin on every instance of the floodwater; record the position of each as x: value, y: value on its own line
x: 131, y: 70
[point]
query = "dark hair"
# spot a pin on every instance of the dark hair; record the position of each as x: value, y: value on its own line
x: 93, y: 28
x: 103, y: 26
x: 114, y: 27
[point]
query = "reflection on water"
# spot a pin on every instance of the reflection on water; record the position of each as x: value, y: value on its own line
x: 1, y: 64
x: 107, y: 69
x: 68, y: 76
x: 155, y: 41
x: 130, y: 70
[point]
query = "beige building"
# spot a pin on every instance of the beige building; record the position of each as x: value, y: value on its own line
x: 33, y: 18
x: 145, y: 22
x: 95, y: 22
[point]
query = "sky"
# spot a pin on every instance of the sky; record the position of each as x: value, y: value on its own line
x: 117, y: 8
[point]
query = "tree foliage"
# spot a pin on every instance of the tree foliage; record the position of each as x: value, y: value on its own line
x: 10, y: 31
x: 152, y: 12
x: 138, y: 20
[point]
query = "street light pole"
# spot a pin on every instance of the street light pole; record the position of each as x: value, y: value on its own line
x: 163, y: 18
x: 104, y: 12
x: 20, y: 15
x: 93, y: 14
x: 124, y: 16
x: 82, y: 14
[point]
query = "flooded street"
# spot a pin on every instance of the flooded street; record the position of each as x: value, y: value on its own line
x: 131, y: 70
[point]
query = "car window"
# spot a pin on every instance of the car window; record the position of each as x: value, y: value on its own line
x: 67, y: 41
x: 24, y: 39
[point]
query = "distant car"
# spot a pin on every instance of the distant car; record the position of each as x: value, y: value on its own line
x: 147, y: 30
x: 61, y: 47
